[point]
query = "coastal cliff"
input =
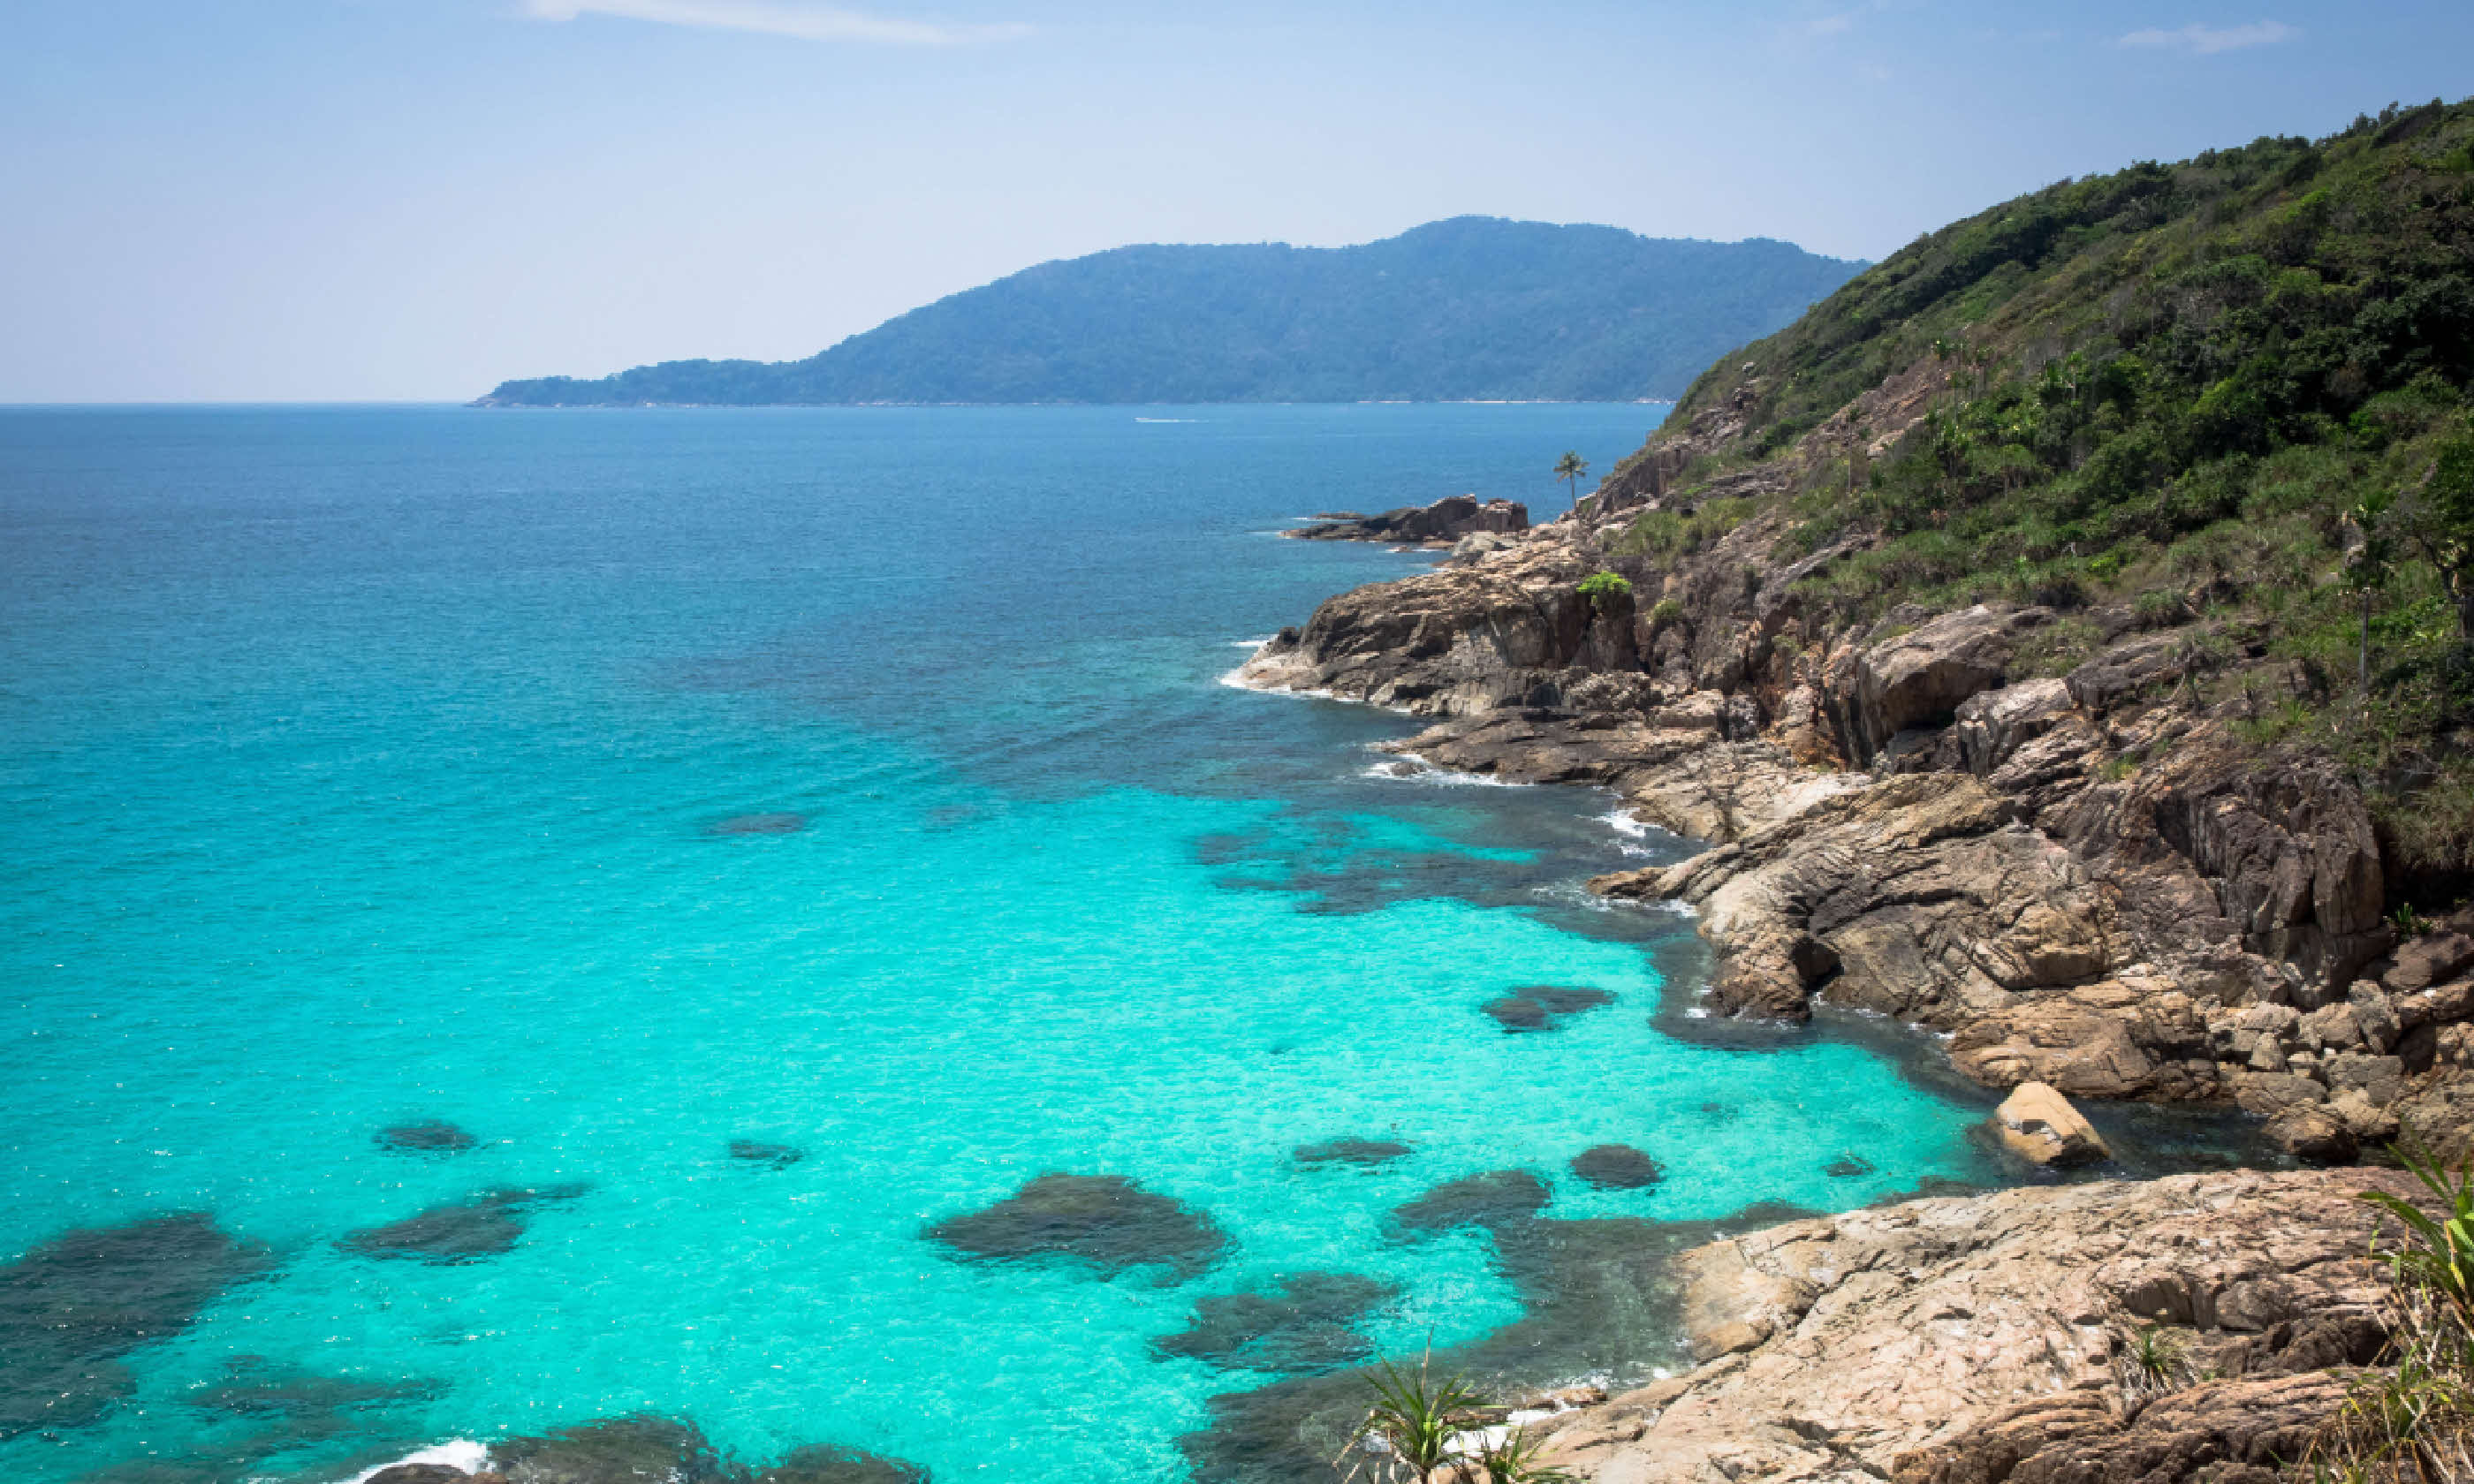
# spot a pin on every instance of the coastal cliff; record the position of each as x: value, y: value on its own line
x: 2081, y: 794
x: 2057, y: 641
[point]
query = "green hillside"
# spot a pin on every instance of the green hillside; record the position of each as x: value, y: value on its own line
x: 2232, y: 391
x: 1473, y: 308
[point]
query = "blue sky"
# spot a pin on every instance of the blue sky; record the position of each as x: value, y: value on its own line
x: 413, y: 198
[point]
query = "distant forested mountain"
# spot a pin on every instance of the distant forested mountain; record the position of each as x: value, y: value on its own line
x: 1468, y: 309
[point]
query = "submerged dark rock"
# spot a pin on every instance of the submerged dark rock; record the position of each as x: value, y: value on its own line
x: 1104, y: 1220
x: 783, y: 824
x: 614, y: 1450
x: 1301, y: 1325
x: 254, y: 1386
x: 775, y: 1157
x: 430, y: 1135
x: 840, y: 1466
x: 71, y: 1307
x: 1618, y: 1168
x: 643, y: 1449
x: 1494, y: 1201
x: 1366, y: 1152
x: 1847, y: 1167
x: 1543, y: 1007
x: 466, y: 1230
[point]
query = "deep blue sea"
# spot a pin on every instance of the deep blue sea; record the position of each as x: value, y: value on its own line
x: 617, y: 787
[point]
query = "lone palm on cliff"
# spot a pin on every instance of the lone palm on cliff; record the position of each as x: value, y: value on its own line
x: 1570, y: 468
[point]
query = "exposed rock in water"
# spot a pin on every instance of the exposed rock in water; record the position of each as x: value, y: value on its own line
x: 779, y: 824
x: 1442, y: 522
x: 466, y: 1230
x: 1106, y: 1221
x: 1363, y: 1152
x: 1618, y: 1168
x: 1303, y: 1324
x: 419, y: 1473
x: 431, y: 1136
x: 1952, y: 1340
x: 1542, y: 1007
x: 1493, y: 1201
x: 72, y: 1307
x: 2039, y: 1125
x: 775, y: 1157
x: 615, y: 1451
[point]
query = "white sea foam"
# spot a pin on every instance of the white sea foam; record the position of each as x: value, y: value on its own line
x: 1624, y: 823
x: 1572, y: 894
x: 1168, y: 420
x: 462, y: 1453
x: 1428, y: 773
x: 1250, y: 643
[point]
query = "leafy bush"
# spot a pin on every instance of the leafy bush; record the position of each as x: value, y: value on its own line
x: 1603, y: 588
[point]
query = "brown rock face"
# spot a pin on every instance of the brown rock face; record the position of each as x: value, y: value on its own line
x: 2040, y: 1125
x: 1918, y: 678
x: 1953, y: 1341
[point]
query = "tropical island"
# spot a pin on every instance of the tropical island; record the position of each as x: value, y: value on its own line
x: 1471, y: 309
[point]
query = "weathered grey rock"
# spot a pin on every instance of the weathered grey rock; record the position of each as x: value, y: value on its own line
x: 1992, y: 724
x: 2039, y: 1125
x: 1930, y: 1341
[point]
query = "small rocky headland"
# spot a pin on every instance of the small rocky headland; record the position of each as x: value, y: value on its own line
x: 2058, y: 640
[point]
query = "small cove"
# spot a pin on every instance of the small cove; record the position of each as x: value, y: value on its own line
x: 628, y: 793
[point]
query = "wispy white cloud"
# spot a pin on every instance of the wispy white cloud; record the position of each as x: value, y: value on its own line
x: 2208, y: 41
x: 796, y: 19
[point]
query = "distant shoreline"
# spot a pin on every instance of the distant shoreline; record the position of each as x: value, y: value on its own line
x: 492, y: 404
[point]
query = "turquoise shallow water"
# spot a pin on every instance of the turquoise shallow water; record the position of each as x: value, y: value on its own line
x: 361, y: 766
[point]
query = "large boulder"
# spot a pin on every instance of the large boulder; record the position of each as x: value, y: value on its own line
x: 2039, y: 1125
x: 1918, y: 678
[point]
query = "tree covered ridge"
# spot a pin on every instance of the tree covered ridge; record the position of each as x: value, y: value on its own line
x: 2236, y: 392
x: 1470, y: 308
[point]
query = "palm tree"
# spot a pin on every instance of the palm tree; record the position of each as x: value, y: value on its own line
x: 1570, y: 468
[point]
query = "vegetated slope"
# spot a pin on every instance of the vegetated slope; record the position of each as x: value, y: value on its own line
x: 1471, y: 308
x: 2232, y: 393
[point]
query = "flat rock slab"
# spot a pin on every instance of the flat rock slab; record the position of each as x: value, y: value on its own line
x: 1885, y: 1342
x: 1106, y: 1221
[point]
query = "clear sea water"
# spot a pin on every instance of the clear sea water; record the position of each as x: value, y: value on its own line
x: 364, y: 765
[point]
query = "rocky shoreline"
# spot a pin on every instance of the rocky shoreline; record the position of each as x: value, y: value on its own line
x: 2081, y: 882
x: 2082, y: 879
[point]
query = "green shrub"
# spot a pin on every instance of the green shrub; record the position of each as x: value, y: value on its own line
x: 1603, y: 588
